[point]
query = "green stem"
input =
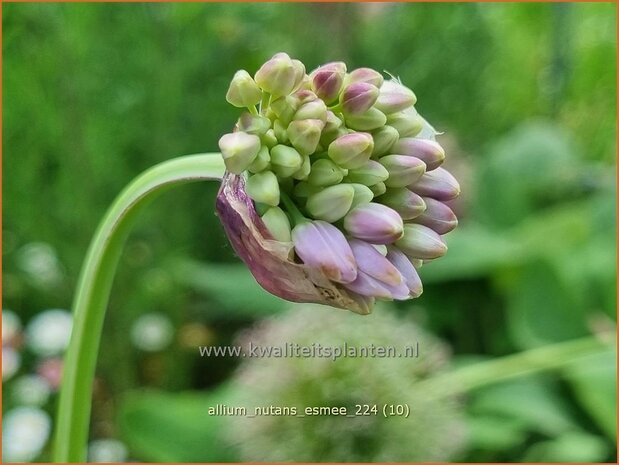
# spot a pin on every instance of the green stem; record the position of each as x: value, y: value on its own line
x: 94, y: 288
x: 550, y: 357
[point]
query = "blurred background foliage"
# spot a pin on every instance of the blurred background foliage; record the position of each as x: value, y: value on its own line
x: 526, y: 96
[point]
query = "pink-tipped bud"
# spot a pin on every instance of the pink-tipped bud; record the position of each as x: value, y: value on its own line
x: 253, y: 124
x: 365, y: 75
x: 408, y: 204
x: 239, y: 150
x: 421, y: 242
x: 438, y: 184
x: 374, y: 223
x: 243, y: 90
x: 304, y: 135
x: 322, y: 246
x: 428, y: 151
x: 394, y: 97
x: 437, y: 216
x: 403, y: 170
x: 351, y: 150
x: 279, y: 76
x: 358, y: 97
x: 327, y: 80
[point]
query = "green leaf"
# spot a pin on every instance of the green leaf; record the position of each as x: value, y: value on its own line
x: 530, y: 401
x: 594, y: 381
x: 575, y: 446
x: 232, y: 286
x: 174, y: 427
x: 495, y: 433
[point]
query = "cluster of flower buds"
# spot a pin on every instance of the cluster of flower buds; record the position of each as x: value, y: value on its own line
x: 334, y: 192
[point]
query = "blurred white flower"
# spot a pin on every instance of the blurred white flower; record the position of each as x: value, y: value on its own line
x: 107, y: 451
x: 11, y: 361
x: 48, y: 333
x: 40, y: 262
x: 11, y: 326
x: 51, y: 371
x: 152, y: 332
x: 25, y: 431
x: 31, y: 390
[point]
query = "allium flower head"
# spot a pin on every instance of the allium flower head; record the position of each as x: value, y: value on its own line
x: 328, y: 163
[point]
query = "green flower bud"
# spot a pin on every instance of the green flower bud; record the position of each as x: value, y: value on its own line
x: 394, y: 97
x: 263, y: 187
x: 279, y: 129
x: 285, y: 161
x: 312, y: 110
x: 378, y: 189
x: 278, y: 224
x: 239, y: 150
x: 327, y: 80
x: 363, y: 194
x: 325, y: 173
x: 371, y: 119
x: 284, y: 108
x: 421, y: 242
x: 243, y: 90
x: 403, y: 169
x: 332, y: 203
x: 303, y: 172
x: 304, y: 189
x: 384, y: 138
x: 269, y: 139
x: 369, y: 174
x: 351, y: 150
x: 304, y: 135
x: 408, y: 204
x: 253, y: 124
x: 365, y: 75
x: 261, y: 162
x: 299, y: 69
x: 358, y: 97
x: 279, y: 75
x: 408, y: 123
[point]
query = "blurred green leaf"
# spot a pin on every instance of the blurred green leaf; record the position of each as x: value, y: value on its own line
x: 575, y: 446
x: 528, y: 400
x: 495, y: 433
x: 168, y: 427
x: 594, y: 382
x: 231, y: 286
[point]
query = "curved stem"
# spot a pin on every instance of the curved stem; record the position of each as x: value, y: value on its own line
x: 93, y: 290
x: 550, y: 357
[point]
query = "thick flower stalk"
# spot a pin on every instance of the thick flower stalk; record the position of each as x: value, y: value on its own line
x: 334, y: 191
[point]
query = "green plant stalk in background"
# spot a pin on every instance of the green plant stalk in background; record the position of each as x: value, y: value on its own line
x: 96, y: 280
x: 94, y: 287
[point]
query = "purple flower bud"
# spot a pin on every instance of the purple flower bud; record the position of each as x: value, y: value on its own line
x: 269, y: 260
x: 428, y: 151
x: 304, y: 135
x: 407, y: 270
x: 421, y: 242
x: 327, y: 80
x: 239, y: 150
x: 374, y: 223
x: 437, y: 216
x: 322, y: 246
x: 351, y: 150
x: 438, y: 184
x: 279, y: 76
x: 376, y: 275
x: 394, y: 97
x: 403, y: 169
x: 365, y: 75
x: 358, y: 97
x: 243, y: 90
x: 408, y: 204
